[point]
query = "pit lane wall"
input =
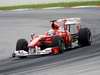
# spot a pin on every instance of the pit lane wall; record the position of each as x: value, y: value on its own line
x: 20, y: 2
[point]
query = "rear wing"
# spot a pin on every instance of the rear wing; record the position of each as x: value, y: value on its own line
x: 72, y: 21
x: 72, y: 24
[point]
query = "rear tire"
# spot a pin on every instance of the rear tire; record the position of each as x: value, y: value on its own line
x: 22, y: 44
x: 84, y: 37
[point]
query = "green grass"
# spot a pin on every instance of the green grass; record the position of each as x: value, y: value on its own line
x: 39, y: 6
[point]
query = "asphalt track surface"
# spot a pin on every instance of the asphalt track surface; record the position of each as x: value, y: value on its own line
x: 19, y: 24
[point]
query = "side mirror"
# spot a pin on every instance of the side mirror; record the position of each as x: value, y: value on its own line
x: 32, y: 35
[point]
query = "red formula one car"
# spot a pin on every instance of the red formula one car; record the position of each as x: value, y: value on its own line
x: 64, y: 33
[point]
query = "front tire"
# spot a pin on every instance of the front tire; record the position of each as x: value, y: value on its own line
x: 22, y: 44
x: 13, y: 55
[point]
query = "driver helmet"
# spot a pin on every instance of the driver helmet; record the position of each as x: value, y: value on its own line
x: 55, y: 25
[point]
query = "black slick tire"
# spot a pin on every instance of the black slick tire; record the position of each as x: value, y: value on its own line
x: 84, y: 37
x: 22, y: 44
